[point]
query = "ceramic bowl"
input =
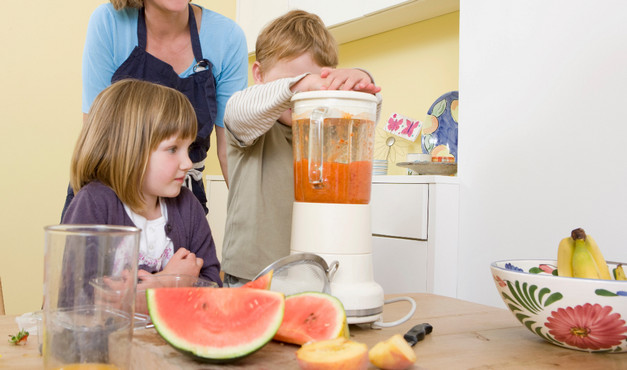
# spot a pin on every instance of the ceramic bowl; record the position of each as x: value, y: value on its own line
x: 581, y: 314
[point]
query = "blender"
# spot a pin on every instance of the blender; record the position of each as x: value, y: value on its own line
x: 333, y: 141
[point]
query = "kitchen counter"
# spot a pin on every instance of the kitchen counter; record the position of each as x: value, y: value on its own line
x: 465, y: 335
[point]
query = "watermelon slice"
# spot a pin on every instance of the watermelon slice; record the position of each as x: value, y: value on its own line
x: 262, y: 282
x: 312, y: 316
x: 216, y: 324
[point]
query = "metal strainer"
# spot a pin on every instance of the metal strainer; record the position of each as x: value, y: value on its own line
x: 301, y: 272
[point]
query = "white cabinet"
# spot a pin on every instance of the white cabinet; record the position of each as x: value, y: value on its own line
x: 415, y: 233
x: 347, y: 20
x: 217, y: 194
x: 414, y: 228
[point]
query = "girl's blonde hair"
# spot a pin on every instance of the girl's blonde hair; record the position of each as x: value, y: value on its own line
x: 292, y: 35
x: 126, y: 123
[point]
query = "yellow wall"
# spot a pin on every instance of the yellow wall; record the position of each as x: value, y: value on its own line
x: 40, y: 117
x: 40, y: 113
x: 414, y: 65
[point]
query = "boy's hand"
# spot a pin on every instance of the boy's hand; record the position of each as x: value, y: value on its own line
x: 348, y: 79
x: 184, y: 262
x: 311, y: 82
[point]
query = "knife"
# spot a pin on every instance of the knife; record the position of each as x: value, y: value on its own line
x: 417, y: 333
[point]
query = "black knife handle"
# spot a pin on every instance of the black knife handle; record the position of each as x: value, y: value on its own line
x: 417, y: 333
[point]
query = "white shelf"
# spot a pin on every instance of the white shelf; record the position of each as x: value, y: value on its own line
x: 414, y: 179
x: 348, y: 20
x: 382, y: 20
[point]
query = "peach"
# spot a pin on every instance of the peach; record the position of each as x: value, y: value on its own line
x: 338, y: 353
x: 394, y: 354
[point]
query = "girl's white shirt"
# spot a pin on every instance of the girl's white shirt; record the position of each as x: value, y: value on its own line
x: 155, y: 248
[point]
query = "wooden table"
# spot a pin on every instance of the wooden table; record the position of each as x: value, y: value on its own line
x: 465, y: 336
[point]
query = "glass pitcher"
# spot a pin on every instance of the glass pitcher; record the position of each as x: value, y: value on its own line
x: 333, y: 140
x: 90, y: 279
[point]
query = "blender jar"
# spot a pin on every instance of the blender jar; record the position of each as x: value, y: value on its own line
x: 333, y: 140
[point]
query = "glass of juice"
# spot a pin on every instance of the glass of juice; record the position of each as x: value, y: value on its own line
x: 90, y: 279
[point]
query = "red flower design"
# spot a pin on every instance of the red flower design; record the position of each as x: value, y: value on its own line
x: 587, y: 327
x: 546, y: 268
x: 499, y: 281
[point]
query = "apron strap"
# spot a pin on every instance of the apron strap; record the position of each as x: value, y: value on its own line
x: 141, y: 29
x: 193, y: 32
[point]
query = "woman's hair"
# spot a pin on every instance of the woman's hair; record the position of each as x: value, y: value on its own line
x: 292, y: 35
x: 126, y: 123
x: 120, y: 4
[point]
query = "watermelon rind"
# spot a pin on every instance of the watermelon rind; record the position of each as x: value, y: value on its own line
x: 298, y: 327
x: 211, y: 351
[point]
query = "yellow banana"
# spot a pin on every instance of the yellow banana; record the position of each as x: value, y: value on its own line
x: 619, y: 273
x: 584, y: 265
x: 598, y: 257
x: 565, y: 257
x: 580, y: 256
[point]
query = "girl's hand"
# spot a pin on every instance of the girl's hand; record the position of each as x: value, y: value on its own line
x: 348, y: 79
x: 184, y: 262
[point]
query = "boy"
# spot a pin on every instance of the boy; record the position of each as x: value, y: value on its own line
x: 294, y: 53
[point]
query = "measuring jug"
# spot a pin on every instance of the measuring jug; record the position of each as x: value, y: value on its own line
x: 90, y: 278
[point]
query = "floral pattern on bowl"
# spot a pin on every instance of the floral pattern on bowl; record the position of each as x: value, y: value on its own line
x: 581, y: 314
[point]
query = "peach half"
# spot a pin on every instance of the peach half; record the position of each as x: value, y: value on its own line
x: 394, y: 354
x: 338, y: 353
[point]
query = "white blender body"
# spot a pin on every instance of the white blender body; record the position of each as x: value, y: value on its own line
x: 333, y: 140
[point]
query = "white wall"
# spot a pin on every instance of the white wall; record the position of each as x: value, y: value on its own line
x: 543, y: 90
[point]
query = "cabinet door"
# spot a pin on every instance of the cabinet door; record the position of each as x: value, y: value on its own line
x: 400, y: 210
x: 217, y: 194
x: 253, y: 15
x: 400, y: 265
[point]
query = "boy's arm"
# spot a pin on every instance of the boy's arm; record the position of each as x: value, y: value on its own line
x: 251, y: 112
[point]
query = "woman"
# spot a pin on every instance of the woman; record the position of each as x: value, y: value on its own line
x: 171, y: 42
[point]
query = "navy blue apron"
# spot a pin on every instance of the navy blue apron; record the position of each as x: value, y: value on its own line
x: 199, y: 88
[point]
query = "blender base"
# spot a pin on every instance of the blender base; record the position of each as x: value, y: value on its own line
x: 341, y: 232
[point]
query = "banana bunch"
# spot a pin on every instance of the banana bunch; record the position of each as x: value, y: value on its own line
x: 580, y: 256
x: 619, y: 273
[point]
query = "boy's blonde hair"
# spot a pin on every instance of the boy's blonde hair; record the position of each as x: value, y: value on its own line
x: 292, y: 35
x: 126, y: 123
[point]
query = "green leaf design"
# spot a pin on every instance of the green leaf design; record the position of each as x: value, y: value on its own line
x: 542, y: 293
x: 439, y: 108
x: 535, y: 270
x: 516, y: 293
x: 532, y: 296
x: 554, y: 273
x: 513, y: 308
x: 553, y: 298
x: 605, y: 293
x: 547, y: 336
x: 529, y: 324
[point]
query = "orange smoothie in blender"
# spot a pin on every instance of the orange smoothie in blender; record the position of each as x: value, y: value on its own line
x: 342, y: 183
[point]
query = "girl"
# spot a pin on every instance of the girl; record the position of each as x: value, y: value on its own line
x: 128, y: 168
x: 177, y: 44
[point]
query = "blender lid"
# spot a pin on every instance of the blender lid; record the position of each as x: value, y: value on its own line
x: 334, y: 94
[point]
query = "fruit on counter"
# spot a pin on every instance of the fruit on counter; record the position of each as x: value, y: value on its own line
x: 580, y: 256
x: 333, y: 354
x: 619, y: 273
x: 394, y: 353
x: 312, y: 316
x: 216, y: 324
x: 20, y: 338
x: 262, y: 282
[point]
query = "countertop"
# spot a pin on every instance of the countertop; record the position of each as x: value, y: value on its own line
x: 465, y: 336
